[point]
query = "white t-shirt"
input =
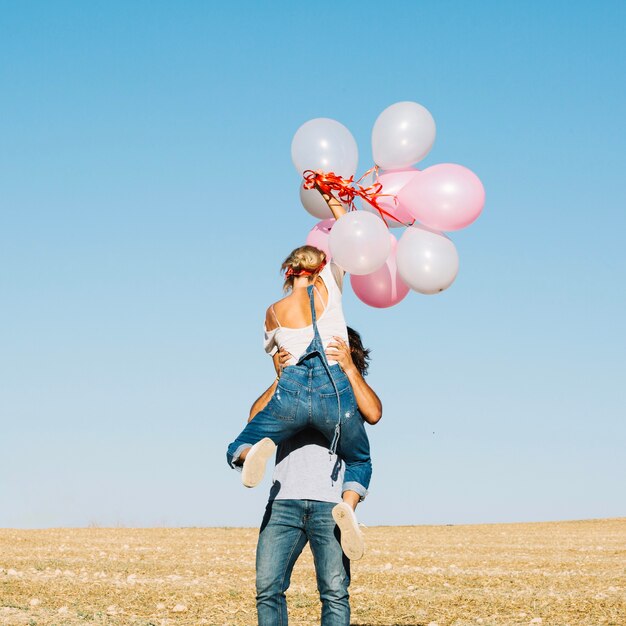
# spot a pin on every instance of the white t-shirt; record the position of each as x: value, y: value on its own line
x: 304, y: 469
x: 330, y: 323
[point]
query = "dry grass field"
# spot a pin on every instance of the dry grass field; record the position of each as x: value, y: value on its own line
x: 546, y: 573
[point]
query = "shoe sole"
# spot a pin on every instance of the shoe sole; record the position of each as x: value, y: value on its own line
x: 254, y: 464
x: 352, y: 542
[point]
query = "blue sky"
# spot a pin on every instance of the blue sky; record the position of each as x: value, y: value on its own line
x: 147, y: 198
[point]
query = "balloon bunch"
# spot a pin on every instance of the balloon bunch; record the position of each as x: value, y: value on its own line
x: 393, y: 194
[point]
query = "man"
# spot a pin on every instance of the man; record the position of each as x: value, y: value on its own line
x: 307, y: 485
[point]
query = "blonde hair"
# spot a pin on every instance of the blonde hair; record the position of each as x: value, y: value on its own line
x: 307, y: 258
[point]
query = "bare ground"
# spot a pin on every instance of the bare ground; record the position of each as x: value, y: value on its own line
x: 551, y: 574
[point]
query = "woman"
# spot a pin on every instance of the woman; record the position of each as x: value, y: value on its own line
x: 312, y: 390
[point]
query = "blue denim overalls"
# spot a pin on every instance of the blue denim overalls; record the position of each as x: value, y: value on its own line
x: 314, y: 393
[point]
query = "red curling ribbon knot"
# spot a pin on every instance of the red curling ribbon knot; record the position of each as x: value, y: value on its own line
x: 346, y: 189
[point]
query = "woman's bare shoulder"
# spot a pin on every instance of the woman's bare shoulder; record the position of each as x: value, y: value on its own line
x: 271, y: 321
x: 282, y: 303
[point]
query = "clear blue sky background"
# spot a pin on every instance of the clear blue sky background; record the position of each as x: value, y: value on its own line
x: 147, y: 198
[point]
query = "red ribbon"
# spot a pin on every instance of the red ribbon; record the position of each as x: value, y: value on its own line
x: 347, y: 189
x: 291, y: 272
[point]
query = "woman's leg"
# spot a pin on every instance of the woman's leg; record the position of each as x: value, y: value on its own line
x: 354, y: 449
x: 279, y: 420
x: 351, y: 498
x: 332, y: 404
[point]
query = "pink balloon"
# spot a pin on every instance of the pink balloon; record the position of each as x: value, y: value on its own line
x: 393, y: 181
x: 384, y: 287
x: 444, y: 197
x: 318, y: 236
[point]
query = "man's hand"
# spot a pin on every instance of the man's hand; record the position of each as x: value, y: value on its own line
x: 283, y: 360
x: 338, y: 350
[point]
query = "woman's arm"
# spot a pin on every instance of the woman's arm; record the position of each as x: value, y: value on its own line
x: 368, y: 402
x: 336, y: 208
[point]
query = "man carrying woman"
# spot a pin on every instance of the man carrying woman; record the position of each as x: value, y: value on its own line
x: 300, y: 506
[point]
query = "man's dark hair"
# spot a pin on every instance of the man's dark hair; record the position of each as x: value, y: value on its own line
x: 360, y: 355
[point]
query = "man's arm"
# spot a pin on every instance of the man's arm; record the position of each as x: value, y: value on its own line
x: 369, y: 403
x: 280, y: 359
x: 261, y: 402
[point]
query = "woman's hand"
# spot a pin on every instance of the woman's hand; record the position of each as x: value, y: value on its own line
x: 335, y: 206
x: 338, y: 350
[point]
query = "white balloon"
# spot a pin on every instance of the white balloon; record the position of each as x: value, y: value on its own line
x: 427, y: 260
x: 359, y: 242
x: 403, y: 134
x: 325, y: 144
x: 313, y: 202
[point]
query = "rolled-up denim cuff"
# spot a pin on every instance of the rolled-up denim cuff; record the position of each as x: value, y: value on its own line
x: 237, y: 454
x: 352, y: 486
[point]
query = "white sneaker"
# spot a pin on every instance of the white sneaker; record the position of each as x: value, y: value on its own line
x: 254, y: 464
x: 352, y: 542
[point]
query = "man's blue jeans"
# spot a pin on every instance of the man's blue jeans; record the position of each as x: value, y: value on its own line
x: 286, y: 528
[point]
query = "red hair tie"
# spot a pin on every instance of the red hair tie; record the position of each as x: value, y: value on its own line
x: 291, y: 272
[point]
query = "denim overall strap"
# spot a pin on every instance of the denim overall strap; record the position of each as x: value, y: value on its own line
x: 318, y: 346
